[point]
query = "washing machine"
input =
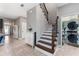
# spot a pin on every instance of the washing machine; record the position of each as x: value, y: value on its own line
x: 71, y: 32
x: 72, y: 25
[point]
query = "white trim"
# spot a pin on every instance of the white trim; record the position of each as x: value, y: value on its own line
x: 47, y: 37
x: 44, y: 52
x: 56, y: 50
x: 47, y: 33
x: 45, y: 45
x: 49, y: 41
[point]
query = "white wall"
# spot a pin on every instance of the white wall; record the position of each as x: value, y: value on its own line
x: 38, y: 22
x: 52, y: 11
x: 31, y: 22
x: 69, y: 9
x: 11, y: 10
x: 41, y: 22
x: 31, y: 19
x: 14, y: 10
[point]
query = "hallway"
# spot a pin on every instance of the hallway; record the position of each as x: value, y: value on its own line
x: 14, y: 47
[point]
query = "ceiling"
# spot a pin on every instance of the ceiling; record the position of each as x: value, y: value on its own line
x: 61, y: 4
x: 13, y: 10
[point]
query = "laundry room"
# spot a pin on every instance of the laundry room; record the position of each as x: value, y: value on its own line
x: 70, y: 30
x: 69, y: 16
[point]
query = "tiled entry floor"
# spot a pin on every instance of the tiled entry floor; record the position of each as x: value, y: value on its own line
x: 14, y: 47
x: 67, y: 50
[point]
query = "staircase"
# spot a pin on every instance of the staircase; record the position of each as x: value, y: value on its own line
x: 48, y: 39
x: 45, y: 42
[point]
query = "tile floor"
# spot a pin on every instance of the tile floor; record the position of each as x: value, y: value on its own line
x: 14, y: 47
x: 68, y: 50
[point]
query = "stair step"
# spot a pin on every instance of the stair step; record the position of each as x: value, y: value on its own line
x: 47, y: 35
x: 48, y: 38
x: 47, y: 32
x: 44, y: 34
x: 50, y: 41
x: 45, y: 38
x: 47, y: 43
x: 45, y: 48
x: 54, y: 31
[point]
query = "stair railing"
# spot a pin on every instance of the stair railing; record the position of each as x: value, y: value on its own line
x: 34, y: 44
x: 44, y: 9
x: 54, y: 34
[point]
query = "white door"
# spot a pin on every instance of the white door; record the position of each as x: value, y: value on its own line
x: 15, y: 31
x: 23, y: 30
x: 7, y: 29
x: 23, y: 26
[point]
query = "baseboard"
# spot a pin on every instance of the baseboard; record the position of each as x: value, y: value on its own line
x: 44, y: 52
x: 56, y: 50
x: 20, y: 38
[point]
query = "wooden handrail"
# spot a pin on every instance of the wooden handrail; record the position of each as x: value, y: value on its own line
x: 57, y: 24
x: 44, y: 9
x: 34, y: 39
x: 54, y: 34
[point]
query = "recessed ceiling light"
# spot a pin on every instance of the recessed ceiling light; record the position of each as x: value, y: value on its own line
x: 22, y: 5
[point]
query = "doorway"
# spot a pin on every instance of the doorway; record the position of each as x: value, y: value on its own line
x: 70, y: 30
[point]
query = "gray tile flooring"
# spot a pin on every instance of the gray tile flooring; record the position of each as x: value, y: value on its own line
x: 14, y: 47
